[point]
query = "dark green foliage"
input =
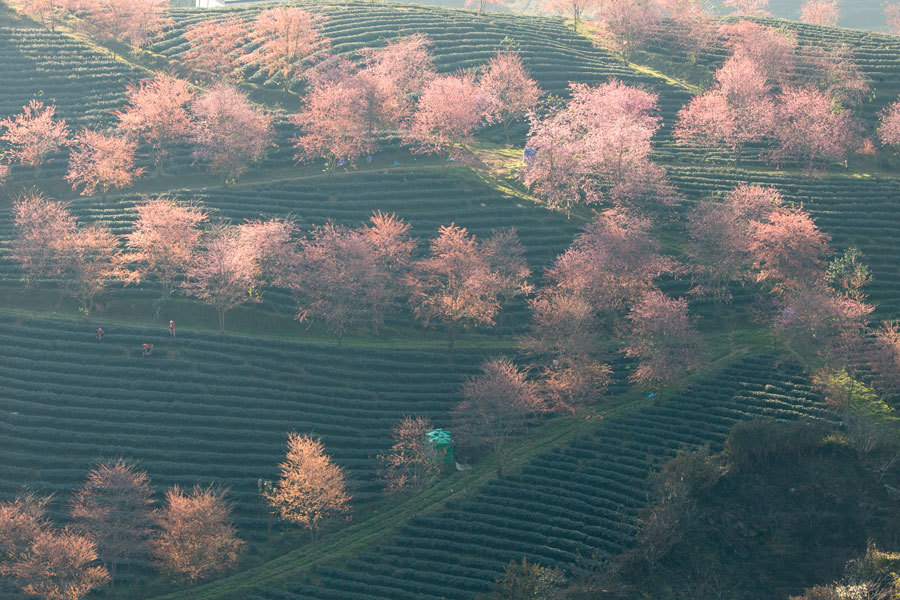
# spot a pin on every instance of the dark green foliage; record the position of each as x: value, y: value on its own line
x: 786, y: 520
x: 527, y: 581
x: 760, y: 444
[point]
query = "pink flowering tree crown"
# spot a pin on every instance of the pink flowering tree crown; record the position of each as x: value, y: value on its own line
x: 450, y: 110
x: 101, y: 161
x: 34, y: 134
x: 228, y: 132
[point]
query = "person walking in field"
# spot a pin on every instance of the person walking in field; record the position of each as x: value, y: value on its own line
x: 99, y: 334
x: 171, y: 328
x: 147, y: 350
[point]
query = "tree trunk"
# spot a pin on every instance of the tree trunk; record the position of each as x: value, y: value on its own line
x: 498, y: 457
x: 451, y: 336
x: 314, y: 530
x: 506, y: 132
x: 737, y: 154
x: 221, y: 320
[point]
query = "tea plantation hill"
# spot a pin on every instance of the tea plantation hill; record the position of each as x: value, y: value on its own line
x: 209, y: 407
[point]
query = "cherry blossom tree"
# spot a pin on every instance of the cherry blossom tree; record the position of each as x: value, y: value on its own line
x: 717, y: 250
x: 163, y: 241
x: 229, y: 132
x: 718, y: 239
x: 449, y: 111
x: 411, y: 463
x: 101, y: 161
x: 889, y: 130
x: 574, y: 8
x: 311, y: 489
x: 886, y: 358
x: 90, y: 262
x: 34, y: 133
x: 59, y: 566
x: 626, y: 24
x: 196, y: 537
x: 390, y: 237
x: 566, y: 340
x: 788, y: 248
x: 332, y: 124
x: 482, y: 4
x: 752, y: 8
x: 223, y: 273
x: 736, y: 111
x: 663, y: 338
x: 216, y: 47
x: 892, y: 18
x: 708, y: 123
x: 341, y: 282
x: 596, y: 148
x: 497, y: 405
x: 820, y: 12
x: 396, y: 74
x: 611, y: 262
x: 285, y: 40
x: 134, y: 22
x: 42, y: 226
x: 455, y: 284
x: 157, y: 113
x: 834, y: 71
x: 393, y: 246
x: 773, y: 51
x: 815, y: 321
x: 272, y: 251
x: 506, y: 257
x: 690, y: 25
x: 114, y: 510
x: 808, y: 129
x: 508, y: 84
x: 21, y: 521
x: 48, y: 11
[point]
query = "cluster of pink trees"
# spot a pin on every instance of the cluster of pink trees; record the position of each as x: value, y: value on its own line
x: 390, y: 90
x: 395, y: 88
x: 600, y: 288
x: 347, y: 278
x: 225, y: 130
x: 114, y: 521
x: 283, y: 42
x: 133, y: 23
x: 794, y: 104
x: 596, y: 148
x: 818, y: 310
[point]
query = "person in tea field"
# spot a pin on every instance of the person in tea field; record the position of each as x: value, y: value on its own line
x: 171, y: 328
x: 147, y: 350
x: 99, y: 334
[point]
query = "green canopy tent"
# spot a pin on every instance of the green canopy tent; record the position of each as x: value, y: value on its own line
x: 439, y: 439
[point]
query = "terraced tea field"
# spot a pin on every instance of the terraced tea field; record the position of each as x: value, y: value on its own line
x: 84, y: 84
x: 203, y: 408
x: 573, y: 502
x: 553, y: 53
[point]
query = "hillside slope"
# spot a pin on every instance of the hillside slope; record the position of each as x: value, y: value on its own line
x: 572, y: 503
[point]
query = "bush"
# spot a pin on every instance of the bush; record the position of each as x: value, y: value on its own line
x: 758, y: 444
